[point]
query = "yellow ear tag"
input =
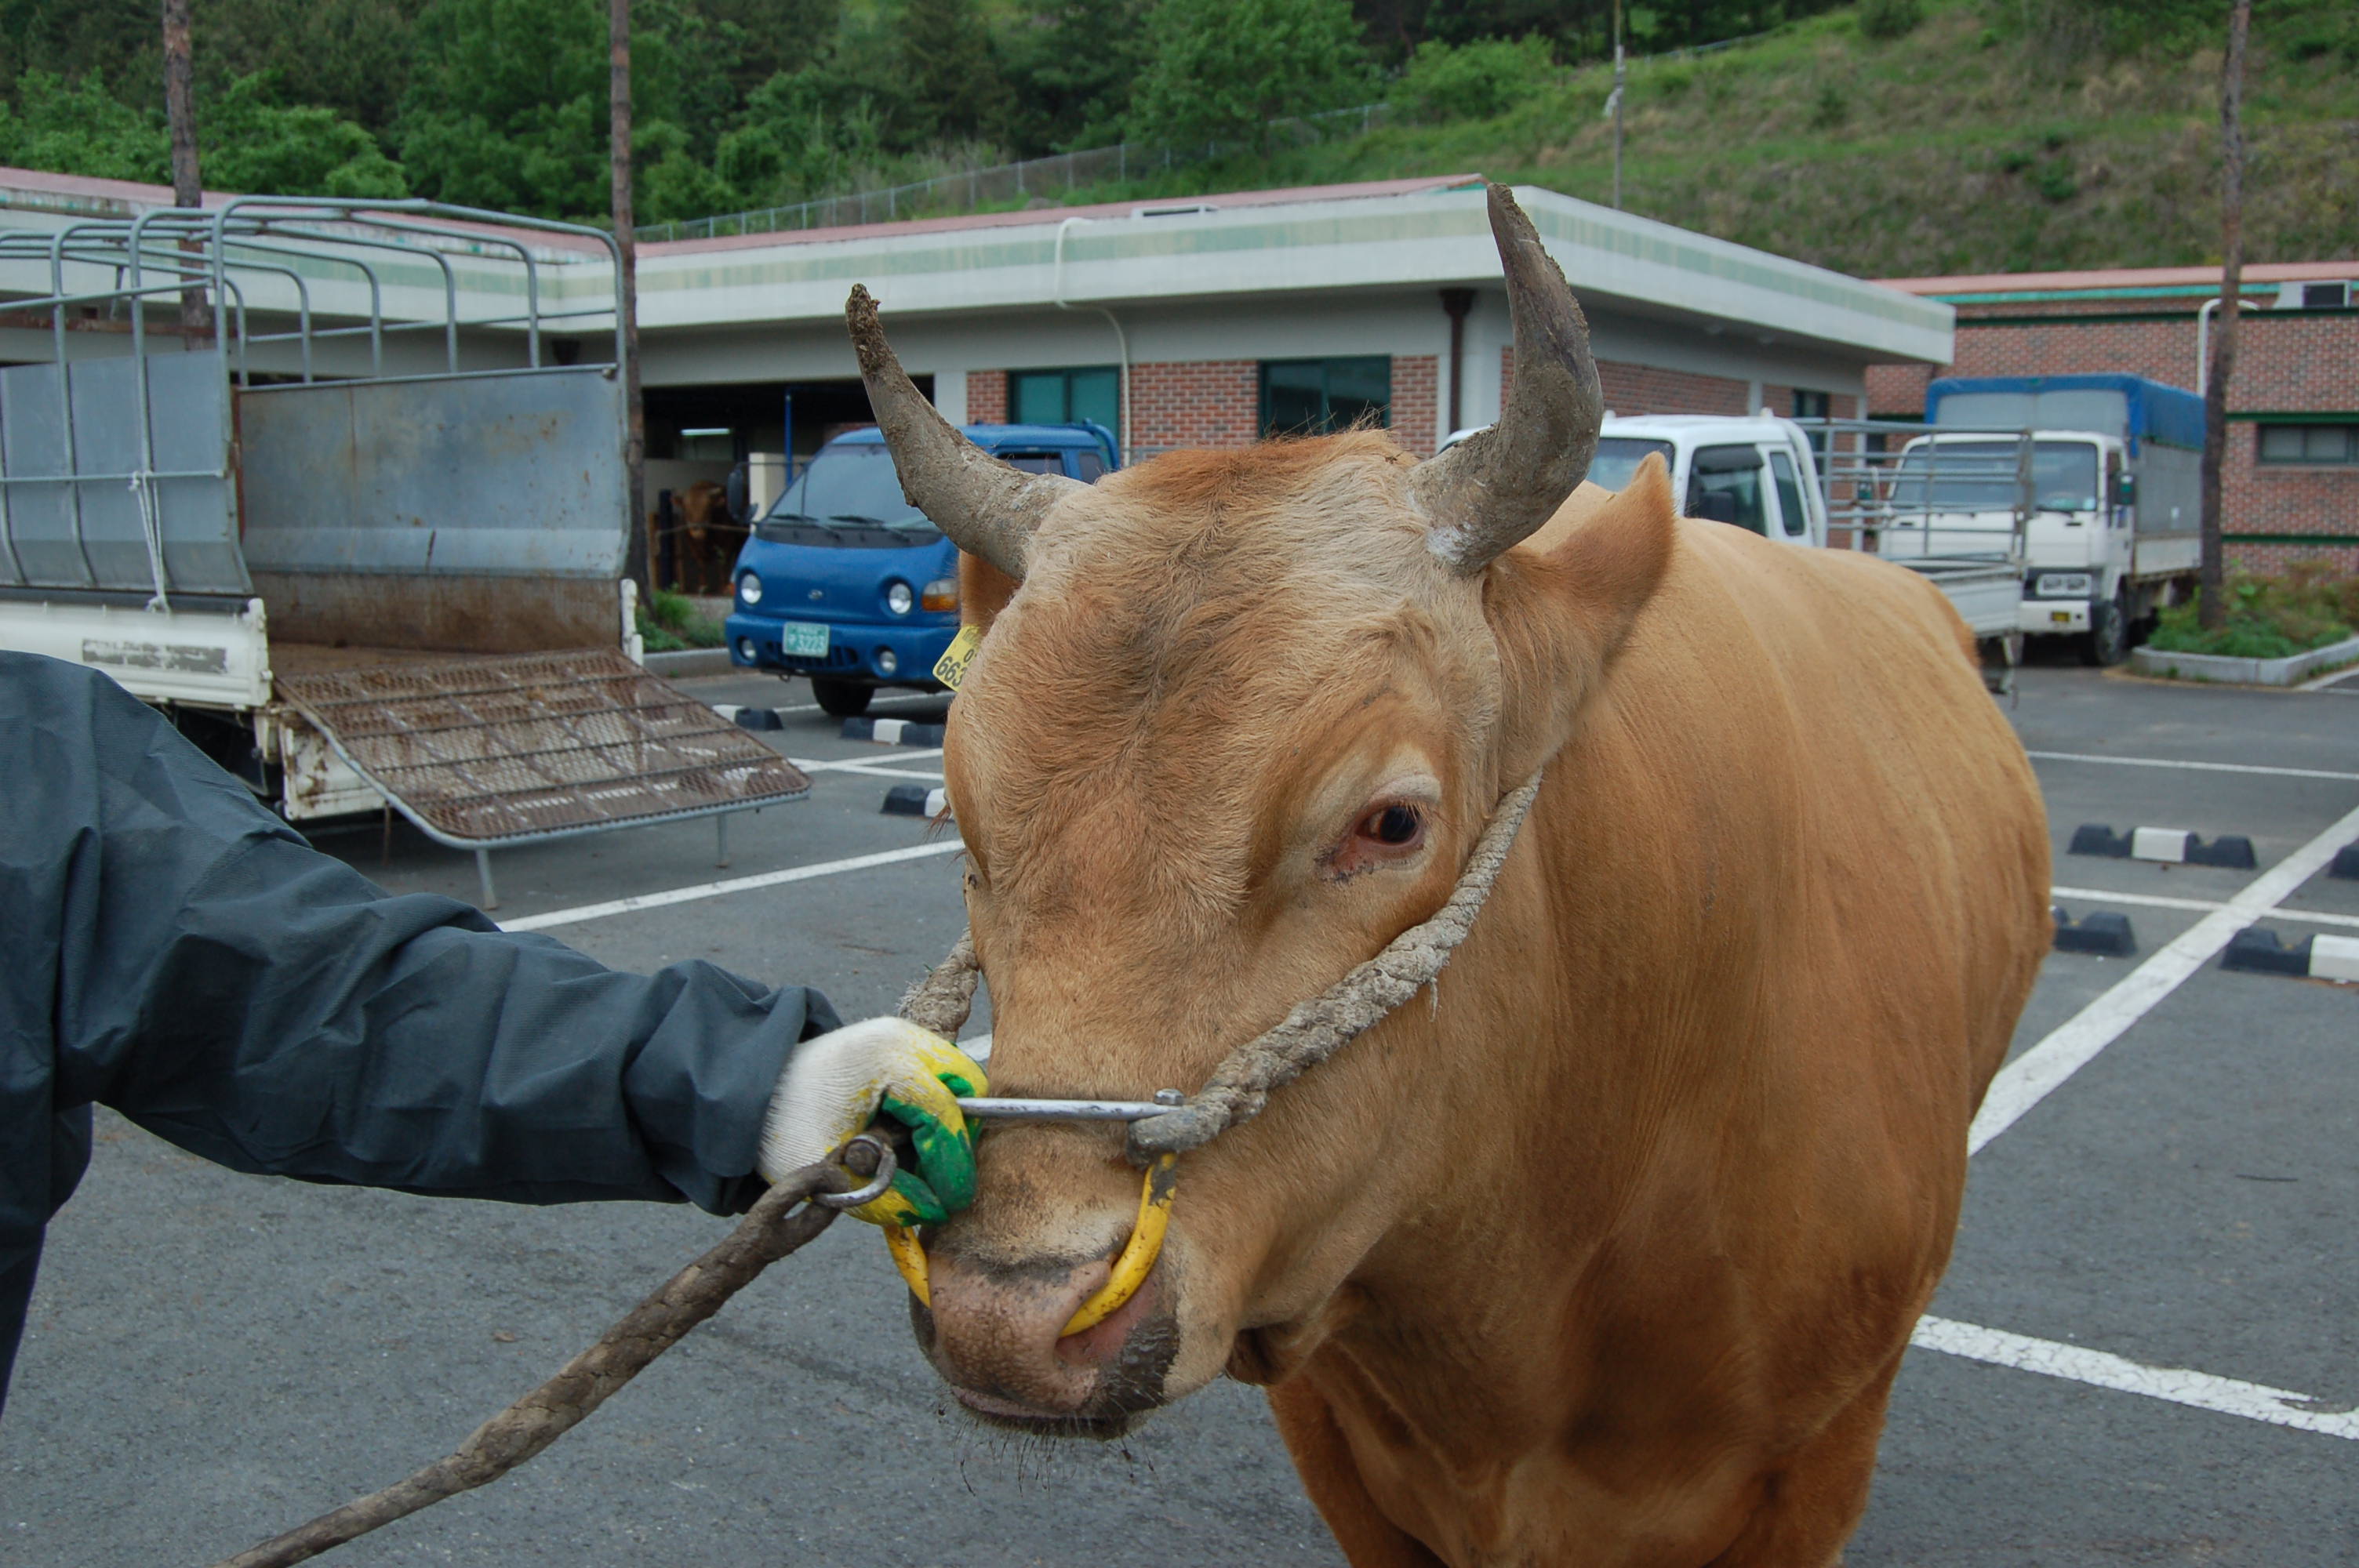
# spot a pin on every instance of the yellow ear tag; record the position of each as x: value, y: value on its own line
x: 950, y: 668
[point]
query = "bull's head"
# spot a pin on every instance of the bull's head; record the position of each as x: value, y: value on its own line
x: 1238, y: 725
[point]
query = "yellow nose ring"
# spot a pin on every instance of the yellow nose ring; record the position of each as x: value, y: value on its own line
x: 1130, y: 1269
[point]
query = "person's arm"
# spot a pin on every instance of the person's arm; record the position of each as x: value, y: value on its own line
x: 261, y: 1004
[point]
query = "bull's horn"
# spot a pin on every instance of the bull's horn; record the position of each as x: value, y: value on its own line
x: 1499, y: 485
x: 986, y: 507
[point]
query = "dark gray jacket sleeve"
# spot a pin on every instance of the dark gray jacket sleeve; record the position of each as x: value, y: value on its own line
x: 178, y: 954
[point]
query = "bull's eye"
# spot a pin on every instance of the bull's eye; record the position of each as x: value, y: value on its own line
x: 1385, y: 835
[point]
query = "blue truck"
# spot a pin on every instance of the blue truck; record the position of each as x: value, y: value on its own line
x: 844, y: 582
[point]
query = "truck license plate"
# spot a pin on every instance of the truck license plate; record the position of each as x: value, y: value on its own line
x: 802, y: 639
x: 2060, y: 617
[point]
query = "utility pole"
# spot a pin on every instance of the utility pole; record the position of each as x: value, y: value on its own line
x: 2212, y: 602
x: 626, y: 293
x: 187, y: 189
x: 1613, y: 104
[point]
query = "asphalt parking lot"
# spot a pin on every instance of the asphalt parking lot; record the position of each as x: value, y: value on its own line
x: 2147, y: 1349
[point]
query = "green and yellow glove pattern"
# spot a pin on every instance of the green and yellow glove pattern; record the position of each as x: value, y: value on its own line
x: 836, y: 1085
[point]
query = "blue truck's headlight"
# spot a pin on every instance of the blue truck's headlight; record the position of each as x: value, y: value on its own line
x: 749, y: 588
x: 899, y: 599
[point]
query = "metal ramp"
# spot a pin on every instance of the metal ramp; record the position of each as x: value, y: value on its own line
x: 487, y: 751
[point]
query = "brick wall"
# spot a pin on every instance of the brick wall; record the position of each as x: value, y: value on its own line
x: 1644, y: 389
x: 987, y: 397
x: 1211, y: 403
x: 1414, y: 417
x: 2286, y: 362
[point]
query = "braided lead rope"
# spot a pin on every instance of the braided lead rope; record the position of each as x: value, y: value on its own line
x: 943, y: 999
x: 1310, y: 1034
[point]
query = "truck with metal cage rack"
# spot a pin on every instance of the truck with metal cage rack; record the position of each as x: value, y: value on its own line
x: 338, y: 485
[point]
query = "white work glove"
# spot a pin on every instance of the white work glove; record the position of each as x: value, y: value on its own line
x: 837, y: 1084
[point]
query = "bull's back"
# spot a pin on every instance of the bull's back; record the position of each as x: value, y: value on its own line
x: 1914, y: 840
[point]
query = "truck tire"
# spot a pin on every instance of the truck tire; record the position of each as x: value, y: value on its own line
x: 2107, y: 642
x: 842, y: 699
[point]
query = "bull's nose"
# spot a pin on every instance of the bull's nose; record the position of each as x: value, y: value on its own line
x: 995, y: 1332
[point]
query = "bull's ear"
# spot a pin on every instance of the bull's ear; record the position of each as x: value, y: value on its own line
x: 1560, y: 614
x: 984, y: 591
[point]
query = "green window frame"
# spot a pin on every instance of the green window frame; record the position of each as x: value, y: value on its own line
x: 2307, y: 444
x: 1318, y: 397
x: 1066, y: 396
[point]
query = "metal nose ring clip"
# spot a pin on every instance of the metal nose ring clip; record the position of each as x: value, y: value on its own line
x: 1139, y: 1254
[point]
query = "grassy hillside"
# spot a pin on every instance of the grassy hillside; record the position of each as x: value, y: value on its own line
x: 1962, y: 146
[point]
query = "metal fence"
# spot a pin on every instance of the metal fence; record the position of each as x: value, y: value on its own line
x: 971, y: 189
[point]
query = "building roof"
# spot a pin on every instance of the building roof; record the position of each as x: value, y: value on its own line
x: 1325, y: 241
x: 2114, y: 283
x: 1050, y: 213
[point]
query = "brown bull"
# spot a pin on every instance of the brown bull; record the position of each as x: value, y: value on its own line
x: 1606, y: 1248
x: 710, y: 538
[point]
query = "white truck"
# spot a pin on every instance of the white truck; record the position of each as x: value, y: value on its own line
x: 1795, y: 484
x: 364, y: 546
x: 2112, y: 494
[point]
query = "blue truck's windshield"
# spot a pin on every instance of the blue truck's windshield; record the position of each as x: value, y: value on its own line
x: 1979, y: 476
x: 849, y: 486
x: 857, y: 487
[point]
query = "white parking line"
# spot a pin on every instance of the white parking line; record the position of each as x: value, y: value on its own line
x: 861, y: 764
x: 2194, y: 767
x: 2204, y: 906
x: 2037, y: 1074
x: 580, y: 912
x: 2229, y: 1396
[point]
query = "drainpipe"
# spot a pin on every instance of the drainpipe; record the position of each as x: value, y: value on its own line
x: 1456, y: 303
x: 1122, y: 339
x: 2203, y: 341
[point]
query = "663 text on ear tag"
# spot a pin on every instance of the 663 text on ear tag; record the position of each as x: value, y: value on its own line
x: 950, y: 668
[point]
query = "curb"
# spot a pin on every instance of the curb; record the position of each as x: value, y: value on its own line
x: 2243, y: 672
x: 2170, y: 846
x: 689, y: 662
x: 915, y: 800
x: 2321, y: 957
x: 893, y: 732
x: 2103, y: 933
x: 749, y: 717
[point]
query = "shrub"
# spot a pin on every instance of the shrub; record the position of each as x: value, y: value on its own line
x: 2268, y: 617
x: 1885, y: 20
x: 671, y: 621
x: 1472, y: 81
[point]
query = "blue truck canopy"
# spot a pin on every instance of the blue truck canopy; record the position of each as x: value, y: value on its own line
x: 2130, y: 407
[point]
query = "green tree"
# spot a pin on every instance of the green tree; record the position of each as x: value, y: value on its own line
x: 1070, y: 68
x: 1222, y: 69
x: 1472, y: 81
x: 506, y: 106
x: 79, y: 127
x: 350, y: 55
x: 798, y: 138
x: 255, y: 142
x: 954, y: 87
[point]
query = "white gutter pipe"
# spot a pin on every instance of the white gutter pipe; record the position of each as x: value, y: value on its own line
x: 1122, y: 339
